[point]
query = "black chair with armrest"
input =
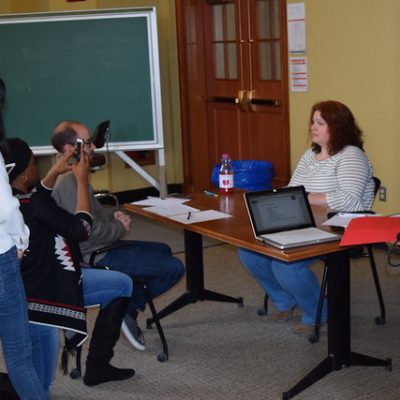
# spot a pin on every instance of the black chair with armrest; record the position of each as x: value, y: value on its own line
x: 354, y: 253
x: 394, y: 252
x: 140, y: 280
x: 143, y: 282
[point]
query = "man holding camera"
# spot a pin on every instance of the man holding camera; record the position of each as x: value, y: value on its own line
x: 137, y: 259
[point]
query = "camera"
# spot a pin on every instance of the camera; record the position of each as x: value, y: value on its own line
x: 77, y: 152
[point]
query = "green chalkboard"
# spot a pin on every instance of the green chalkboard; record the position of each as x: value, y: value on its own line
x: 84, y: 67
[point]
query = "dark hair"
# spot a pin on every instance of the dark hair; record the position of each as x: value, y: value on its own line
x: 18, y: 152
x: 343, y: 127
x: 63, y: 134
x: 2, y: 100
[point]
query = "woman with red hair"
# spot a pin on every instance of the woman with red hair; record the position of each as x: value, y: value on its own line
x: 336, y: 173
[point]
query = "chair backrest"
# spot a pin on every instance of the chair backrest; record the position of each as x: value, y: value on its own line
x: 105, y: 194
x: 377, y: 182
x: 97, y: 161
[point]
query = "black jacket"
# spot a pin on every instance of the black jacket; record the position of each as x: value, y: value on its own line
x: 51, y: 264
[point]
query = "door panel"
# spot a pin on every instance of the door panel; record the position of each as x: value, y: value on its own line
x: 224, y: 68
x: 268, y: 65
x: 226, y: 131
x: 192, y: 95
x: 266, y: 139
x: 245, y: 83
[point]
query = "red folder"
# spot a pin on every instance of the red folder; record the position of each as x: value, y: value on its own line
x: 365, y: 230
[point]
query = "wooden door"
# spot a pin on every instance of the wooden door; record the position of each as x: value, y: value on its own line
x: 243, y: 54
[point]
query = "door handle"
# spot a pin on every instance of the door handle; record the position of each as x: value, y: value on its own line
x: 253, y: 101
x: 225, y: 99
x: 242, y: 100
x: 246, y: 100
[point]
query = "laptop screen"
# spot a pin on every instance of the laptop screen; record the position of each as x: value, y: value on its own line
x: 279, y: 210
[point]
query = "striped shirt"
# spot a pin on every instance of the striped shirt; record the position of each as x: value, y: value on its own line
x: 345, y: 178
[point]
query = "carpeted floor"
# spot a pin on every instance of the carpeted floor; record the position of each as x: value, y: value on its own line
x: 219, y: 351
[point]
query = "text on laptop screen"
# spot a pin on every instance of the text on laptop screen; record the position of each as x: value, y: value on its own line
x: 277, y: 211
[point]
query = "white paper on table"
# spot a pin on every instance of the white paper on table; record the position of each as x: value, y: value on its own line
x: 200, y: 216
x: 343, y: 219
x: 160, y: 201
x: 171, y: 210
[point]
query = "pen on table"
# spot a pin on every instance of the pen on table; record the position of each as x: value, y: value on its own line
x: 189, y: 214
x: 212, y: 194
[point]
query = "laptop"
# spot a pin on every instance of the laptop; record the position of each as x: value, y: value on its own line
x: 283, y: 218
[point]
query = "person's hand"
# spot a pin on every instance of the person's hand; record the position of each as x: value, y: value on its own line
x: 125, y: 219
x: 62, y: 165
x: 82, y: 167
x: 317, y: 198
x: 20, y: 253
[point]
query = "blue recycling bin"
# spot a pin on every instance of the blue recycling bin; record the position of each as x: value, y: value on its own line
x: 248, y: 174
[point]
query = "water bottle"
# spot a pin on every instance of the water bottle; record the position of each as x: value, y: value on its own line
x: 226, y: 175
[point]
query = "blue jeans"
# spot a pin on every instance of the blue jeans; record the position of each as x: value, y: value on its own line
x: 287, y: 284
x: 145, y: 259
x: 14, y: 330
x: 100, y: 287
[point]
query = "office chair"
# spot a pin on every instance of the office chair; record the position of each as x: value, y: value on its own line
x: 394, y: 251
x: 99, y: 161
x: 139, y: 281
x: 354, y: 253
x: 142, y: 281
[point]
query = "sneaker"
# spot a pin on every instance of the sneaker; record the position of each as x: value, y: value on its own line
x: 282, y: 316
x: 133, y: 333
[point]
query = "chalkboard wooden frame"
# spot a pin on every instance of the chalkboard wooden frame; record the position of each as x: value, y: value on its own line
x: 27, y: 103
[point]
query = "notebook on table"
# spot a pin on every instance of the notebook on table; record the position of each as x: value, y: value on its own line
x: 283, y: 218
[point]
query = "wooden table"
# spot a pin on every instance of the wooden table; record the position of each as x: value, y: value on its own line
x: 237, y: 231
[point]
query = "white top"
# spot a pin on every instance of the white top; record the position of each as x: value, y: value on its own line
x: 345, y: 178
x: 13, y: 231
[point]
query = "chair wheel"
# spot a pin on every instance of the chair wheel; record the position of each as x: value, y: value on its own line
x: 313, y: 338
x: 380, y: 320
x: 162, y: 357
x: 240, y: 304
x: 262, y: 312
x: 75, y: 373
x: 149, y: 325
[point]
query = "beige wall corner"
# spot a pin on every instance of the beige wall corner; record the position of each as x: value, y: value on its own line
x: 353, y: 53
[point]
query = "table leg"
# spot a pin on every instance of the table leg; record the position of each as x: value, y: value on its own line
x: 339, y: 335
x: 195, y: 290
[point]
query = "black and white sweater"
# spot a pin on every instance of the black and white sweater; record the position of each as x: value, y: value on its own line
x: 51, y: 264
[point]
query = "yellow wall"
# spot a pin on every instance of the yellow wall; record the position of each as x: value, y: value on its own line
x: 353, y: 54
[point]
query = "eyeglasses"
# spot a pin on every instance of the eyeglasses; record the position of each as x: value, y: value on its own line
x: 87, y: 142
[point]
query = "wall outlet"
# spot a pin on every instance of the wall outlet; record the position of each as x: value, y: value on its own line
x: 382, y: 193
